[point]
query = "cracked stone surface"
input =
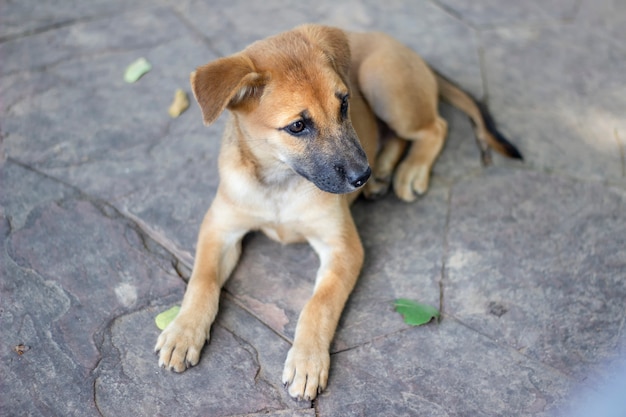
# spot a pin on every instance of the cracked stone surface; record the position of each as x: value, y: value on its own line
x: 371, y: 381
x: 240, y: 379
x: 102, y: 194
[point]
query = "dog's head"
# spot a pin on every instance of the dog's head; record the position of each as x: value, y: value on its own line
x: 290, y: 96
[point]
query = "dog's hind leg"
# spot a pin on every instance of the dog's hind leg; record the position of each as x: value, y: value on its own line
x: 402, y: 92
x: 413, y: 174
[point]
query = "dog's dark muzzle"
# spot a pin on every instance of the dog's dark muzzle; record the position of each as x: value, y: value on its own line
x: 337, y: 164
x: 343, y: 176
x: 356, y: 180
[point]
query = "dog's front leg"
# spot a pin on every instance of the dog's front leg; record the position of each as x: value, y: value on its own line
x: 308, y: 361
x: 218, y: 250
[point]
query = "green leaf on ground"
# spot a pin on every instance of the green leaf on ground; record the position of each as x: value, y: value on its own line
x: 414, y: 313
x: 166, y: 317
x: 136, y: 70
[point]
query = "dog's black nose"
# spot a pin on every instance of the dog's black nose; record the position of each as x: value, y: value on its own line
x: 362, y: 179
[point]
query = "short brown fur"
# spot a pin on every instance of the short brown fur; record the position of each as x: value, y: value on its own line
x: 294, y: 156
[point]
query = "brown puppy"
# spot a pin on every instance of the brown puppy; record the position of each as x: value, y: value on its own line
x: 305, y: 107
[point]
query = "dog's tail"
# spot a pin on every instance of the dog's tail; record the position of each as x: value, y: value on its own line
x: 487, y: 135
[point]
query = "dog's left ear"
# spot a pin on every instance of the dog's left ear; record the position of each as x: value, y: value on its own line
x: 334, y: 42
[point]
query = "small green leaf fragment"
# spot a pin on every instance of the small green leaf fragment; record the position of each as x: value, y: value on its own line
x: 136, y: 70
x: 166, y: 317
x: 414, y: 313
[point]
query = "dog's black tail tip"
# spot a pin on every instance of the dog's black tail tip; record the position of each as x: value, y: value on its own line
x: 515, y: 153
x: 508, y: 148
x: 501, y: 144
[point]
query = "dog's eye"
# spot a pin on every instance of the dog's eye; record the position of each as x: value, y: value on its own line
x: 296, y: 127
x: 344, y: 106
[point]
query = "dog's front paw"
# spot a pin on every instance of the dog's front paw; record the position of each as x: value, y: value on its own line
x: 179, y: 345
x: 410, y: 181
x: 306, y: 372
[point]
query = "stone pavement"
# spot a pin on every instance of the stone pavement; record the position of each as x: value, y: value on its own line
x: 102, y: 194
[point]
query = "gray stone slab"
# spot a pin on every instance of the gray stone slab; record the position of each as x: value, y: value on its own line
x: 27, y: 17
x: 139, y: 143
x: 92, y: 129
x: 587, y: 149
x: 576, y: 68
x: 179, y: 182
x: 532, y: 259
x: 23, y: 190
x: 567, y: 112
x: 439, y: 370
x: 239, y: 372
x: 422, y: 25
x: 85, y: 38
x: 541, y: 267
x: 231, y: 25
x: 492, y: 13
x: 69, y: 266
x: 603, y: 16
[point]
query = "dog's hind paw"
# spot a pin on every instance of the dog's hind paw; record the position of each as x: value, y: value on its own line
x: 179, y: 345
x: 411, y: 181
x: 306, y: 372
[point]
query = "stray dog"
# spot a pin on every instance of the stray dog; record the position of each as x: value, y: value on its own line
x: 305, y: 108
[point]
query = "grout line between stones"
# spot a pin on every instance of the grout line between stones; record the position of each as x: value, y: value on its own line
x: 64, y: 23
x: 180, y: 256
x: 239, y: 304
x: 453, y: 13
x: 48, y: 28
x: 372, y: 340
x: 95, y: 400
x: 196, y: 32
x: 445, y: 252
x: 575, y: 12
x: 110, y: 211
x: 509, y: 347
x: 483, y: 69
x: 622, y: 152
x: 535, y: 23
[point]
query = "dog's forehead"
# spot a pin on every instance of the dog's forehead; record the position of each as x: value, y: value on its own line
x: 301, y: 79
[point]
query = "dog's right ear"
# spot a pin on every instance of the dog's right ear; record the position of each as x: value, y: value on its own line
x: 333, y: 42
x: 226, y: 82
